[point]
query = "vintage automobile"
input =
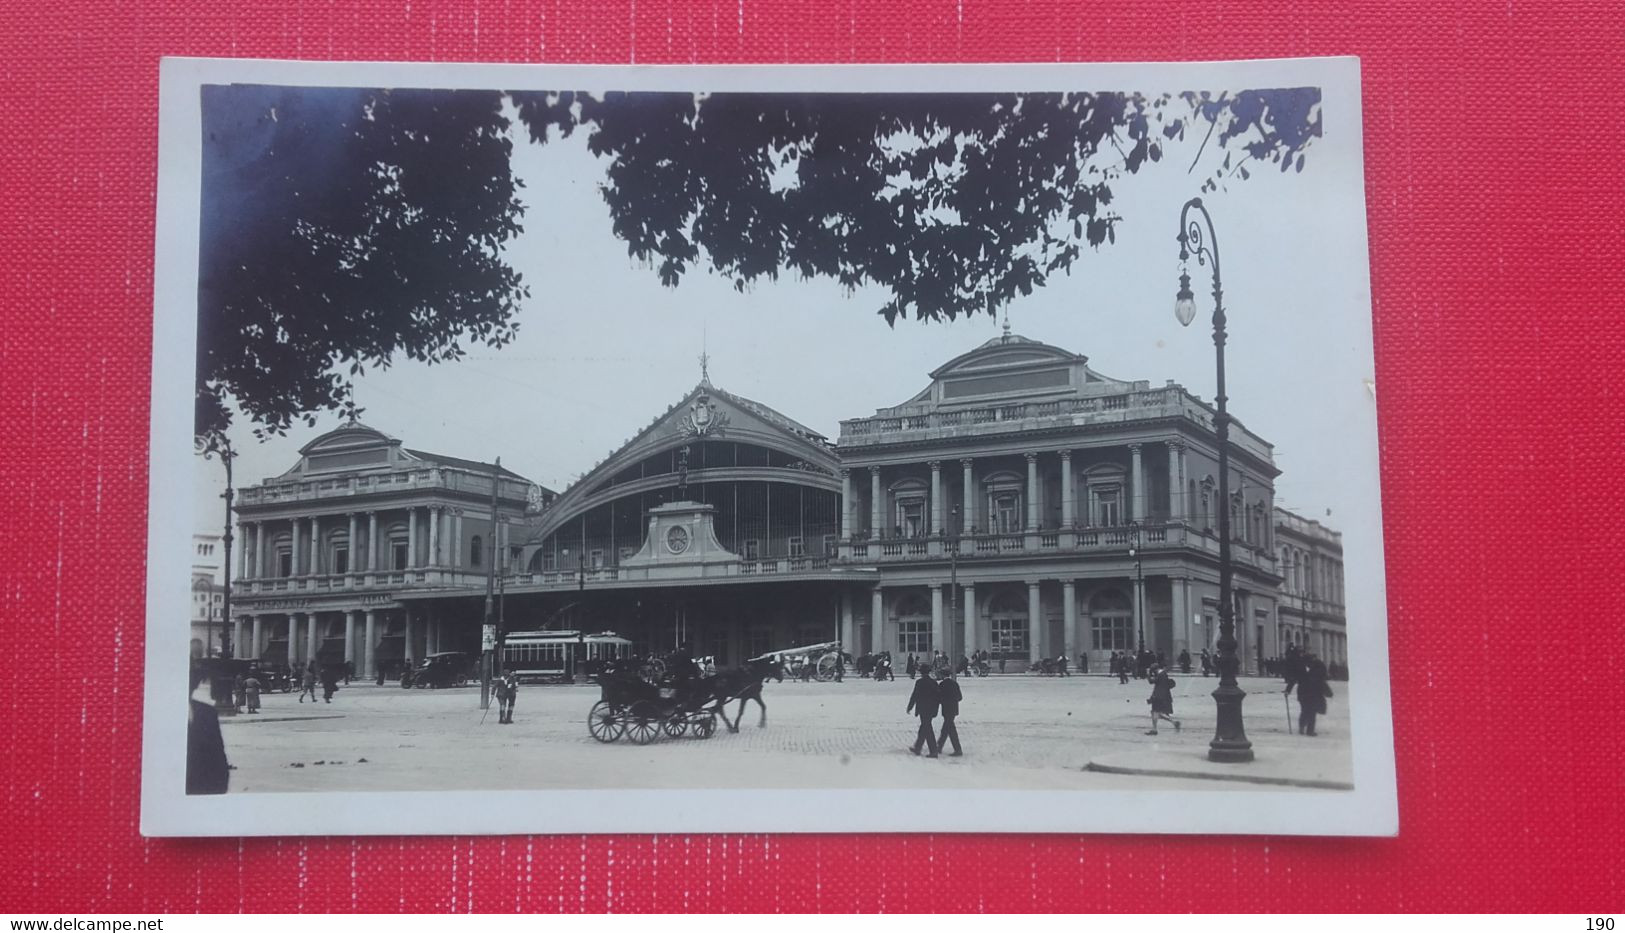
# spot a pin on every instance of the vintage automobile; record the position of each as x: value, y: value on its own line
x: 442, y: 669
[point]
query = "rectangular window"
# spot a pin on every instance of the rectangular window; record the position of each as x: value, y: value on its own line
x: 596, y: 559
x: 627, y: 552
x: 914, y: 636
x: 753, y: 549
x: 284, y: 563
x: 1006, y: 511
x: 911, y: 517
x: 1008, y: 636
x: 829, y: 545
x: 1112, y: 633
x: 397, y: 555
x: 341, y: 560
x: 796, y: 548
x: 550, y: 561
x: 1108, y: 506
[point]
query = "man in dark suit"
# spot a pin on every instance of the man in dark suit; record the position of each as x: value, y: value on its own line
x: 923, y: 703
x: 948, y: 696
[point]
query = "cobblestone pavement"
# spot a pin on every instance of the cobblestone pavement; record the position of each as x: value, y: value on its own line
x: 1020, y: 732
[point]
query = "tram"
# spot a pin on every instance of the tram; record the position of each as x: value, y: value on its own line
x: 555, y: 654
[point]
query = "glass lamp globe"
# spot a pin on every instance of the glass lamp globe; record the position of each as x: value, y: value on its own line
x: 1185, y: 302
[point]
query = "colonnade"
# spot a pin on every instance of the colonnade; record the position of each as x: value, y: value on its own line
x: 364, y: 629
x: 434, y: 538
x: 1073, y: 513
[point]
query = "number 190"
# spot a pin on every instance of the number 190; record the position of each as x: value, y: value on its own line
x: 1604, y: 924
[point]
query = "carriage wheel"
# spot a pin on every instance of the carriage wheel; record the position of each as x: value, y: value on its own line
x: 642, y: 723
x: 704, y: 725
x: 603, y: 723
x: 675, y: 725
x: 826, y: 668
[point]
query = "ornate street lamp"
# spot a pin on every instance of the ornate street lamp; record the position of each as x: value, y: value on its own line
x: 216, y: 445
x: 1230, y: 737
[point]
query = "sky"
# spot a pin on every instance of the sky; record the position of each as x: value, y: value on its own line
x: 603, y: 347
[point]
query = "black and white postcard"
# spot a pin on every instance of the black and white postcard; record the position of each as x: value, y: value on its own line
x: 770, y: 449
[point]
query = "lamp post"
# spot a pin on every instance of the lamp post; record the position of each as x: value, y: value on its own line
x: 1139, y: 592
x: 953, y: 589
x: 217, y: 445
x: 1198, y: 239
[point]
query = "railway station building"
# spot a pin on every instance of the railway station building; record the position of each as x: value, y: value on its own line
x: 1021, y: 503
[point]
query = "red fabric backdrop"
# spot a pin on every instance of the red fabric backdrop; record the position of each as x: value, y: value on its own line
x: 1493, y: 146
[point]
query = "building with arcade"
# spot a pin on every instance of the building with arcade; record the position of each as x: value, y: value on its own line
x: 1021, y: 503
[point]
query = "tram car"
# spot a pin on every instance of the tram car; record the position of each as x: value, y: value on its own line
x: 553, y: 655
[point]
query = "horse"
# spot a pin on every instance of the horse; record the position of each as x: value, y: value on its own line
x: 744, y: 684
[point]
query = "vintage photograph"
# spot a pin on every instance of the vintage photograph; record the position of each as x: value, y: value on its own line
x: 950, y: 449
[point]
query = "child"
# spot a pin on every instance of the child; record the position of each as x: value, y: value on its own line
x: 1161, y: 699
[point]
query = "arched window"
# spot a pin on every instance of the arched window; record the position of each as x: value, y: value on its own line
x: 1111, y: 621
x: 1007, y: 624
x: 913, y: 625
x: 476, y: 551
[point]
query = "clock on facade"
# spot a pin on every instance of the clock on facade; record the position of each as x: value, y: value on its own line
x: 677, y: 539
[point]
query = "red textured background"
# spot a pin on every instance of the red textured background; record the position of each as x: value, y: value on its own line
x: 1495, y: 153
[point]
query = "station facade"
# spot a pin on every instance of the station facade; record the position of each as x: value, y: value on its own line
x: 1022, y: 503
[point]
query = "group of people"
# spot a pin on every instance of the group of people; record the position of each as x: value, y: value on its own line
x: 936, y: 691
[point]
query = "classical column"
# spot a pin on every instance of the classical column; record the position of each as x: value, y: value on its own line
x: 1069, y: 612
x: 1069, y: 515
x: 349, y: 637
x: 372, y: 548
x: 369, y: 646
x: 293, y: 638
x: 846, y: 504
x: 1035, y: 622
x: 315, y: 545
x: 936, y: 497
x: 877, y: 621
x: 313, y: 637
x: 242, y: 555
x: 434, y: 536
x: 1176, y: 481
x: 412, y: 538
x: 968, y: 493
x: 849, y: 625
x: 258, y: 643
x: 411, y: 651
x: 457, y: 538
x: 259, y: 549
x: 1182, y: 613
x: 1137, y: 499
x: 937, y: 631
x: 297, y: 558
x: 877, y: 528
x: 352, y: 562
x: 972, y: 635
x: 1032, y: 492
x: 237, y: 637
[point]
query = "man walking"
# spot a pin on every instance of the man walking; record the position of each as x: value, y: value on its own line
x: 948, y: 697
x: 1309, y: 676
x: 507, y: 691
x: 923, y: 703
x: 307, y: 683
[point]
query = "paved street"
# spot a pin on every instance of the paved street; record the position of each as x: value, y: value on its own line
x: 1020, y: 732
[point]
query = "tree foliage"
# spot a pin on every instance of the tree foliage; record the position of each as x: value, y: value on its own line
x: 342, y: 227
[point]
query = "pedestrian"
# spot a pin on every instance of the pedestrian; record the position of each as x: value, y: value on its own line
x: 840, y: 665
x: 207, y: 771
x: 507, y: 692
x: 1083, y: 662
x: 307, y: 685
x: 330, y: 683
x: 349, y: 672
x: 912, y: 667
x: 1309, y: 676
x: 1161, y: 698
x: 948, y: 697
x: 237, y: 689
x: 1060, y: 662
x: 1122, y: 668
x: 1184, y: 661
x: 251, y: 691
x: 923, y: 703
x: 1207, y: 664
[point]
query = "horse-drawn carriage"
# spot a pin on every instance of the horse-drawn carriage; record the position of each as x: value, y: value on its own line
x: 633, y: 706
